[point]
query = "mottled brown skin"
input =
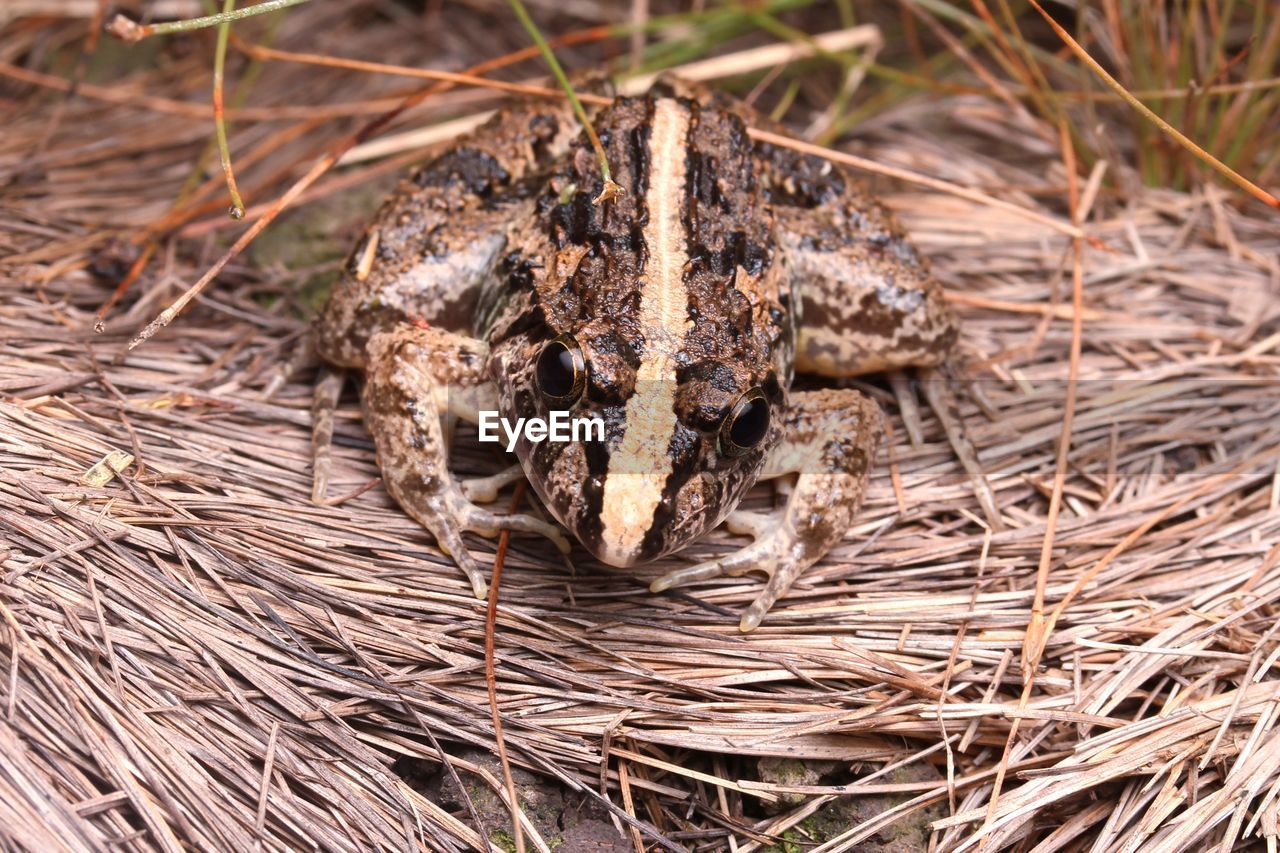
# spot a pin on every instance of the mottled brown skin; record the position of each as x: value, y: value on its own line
x: 722, y: 267
x: 440, y: 235
x: 414, y: 376
x: 830, y: 441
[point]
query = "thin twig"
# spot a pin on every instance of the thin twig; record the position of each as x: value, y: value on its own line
x: 219, y: 122
x: 1036, y: 634
x: 491, y: 677
x: 131, y: 31
x: 1171, y: 131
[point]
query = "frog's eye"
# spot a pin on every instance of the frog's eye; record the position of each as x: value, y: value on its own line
x: 561, y: 371
x: 747, y: 424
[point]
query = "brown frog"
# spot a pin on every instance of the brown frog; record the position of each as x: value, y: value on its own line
x: 675, y: 314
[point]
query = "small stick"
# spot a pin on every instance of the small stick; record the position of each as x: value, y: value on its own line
x: 1039, y: 627
x: 262, y: 52
x: 267, y: 765
x: 131, y: 31
x: 491, y: 677
x: 219, y: 121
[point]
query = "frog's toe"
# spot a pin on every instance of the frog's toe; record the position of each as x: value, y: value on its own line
x: 771, y: 553
x: 449, y: 540
x: 780, y: 579
x: 689, y: 574
x: 489, y: 524
x: 757, y: 525
x: 484, y: 490
x: 758, y: 556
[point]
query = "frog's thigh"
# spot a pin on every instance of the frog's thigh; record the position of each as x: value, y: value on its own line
x: 830, y: 441
x: 868, y: 302
x: 417, y: 378
x: 441, y: 233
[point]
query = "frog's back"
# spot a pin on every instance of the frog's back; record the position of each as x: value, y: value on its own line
x: 678, y: 265
x: 675, y: 295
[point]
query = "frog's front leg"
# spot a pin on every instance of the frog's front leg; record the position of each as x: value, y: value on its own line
x: 830, y: 441
x: 418, y: 379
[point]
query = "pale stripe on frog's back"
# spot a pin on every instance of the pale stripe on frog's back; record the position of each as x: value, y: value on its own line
x: 640, y: 465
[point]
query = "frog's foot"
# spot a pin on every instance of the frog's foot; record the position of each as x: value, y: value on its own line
x: 747, y: 523
x: 484, y: 490
x: 830, y: 441
x: 940, y: 393
x: 450, y: 514
x: 777, y: 551
x: 490, y: 524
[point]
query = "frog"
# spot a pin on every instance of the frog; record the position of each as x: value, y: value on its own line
x: 679, y: 311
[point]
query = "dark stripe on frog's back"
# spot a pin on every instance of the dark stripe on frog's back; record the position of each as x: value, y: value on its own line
x: 604, y: 283
x: 727, y: 227
x: 730, y: 234
x: 594, y: 256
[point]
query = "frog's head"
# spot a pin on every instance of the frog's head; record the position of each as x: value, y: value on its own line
x: 664, y: 447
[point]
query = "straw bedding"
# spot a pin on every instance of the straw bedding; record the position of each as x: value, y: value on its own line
x: 193, y: 654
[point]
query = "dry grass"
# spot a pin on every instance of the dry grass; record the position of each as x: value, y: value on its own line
x: 192, y: 654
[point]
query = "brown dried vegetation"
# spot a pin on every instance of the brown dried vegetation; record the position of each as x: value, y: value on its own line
x: 194, y: 655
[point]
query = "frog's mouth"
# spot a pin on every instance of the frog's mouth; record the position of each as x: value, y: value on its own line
x: 617, y: 519
x: 632, y: 516
x: 645, y: 516
x: 622, y: 516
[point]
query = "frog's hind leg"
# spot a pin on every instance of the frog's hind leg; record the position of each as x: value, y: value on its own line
x: 830, y: 441
x: 439, y: 236
x: 417, y: 380
x: 324, y: 402
x: 868, y: 302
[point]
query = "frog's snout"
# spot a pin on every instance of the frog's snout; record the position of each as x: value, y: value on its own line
x: 629, y: 519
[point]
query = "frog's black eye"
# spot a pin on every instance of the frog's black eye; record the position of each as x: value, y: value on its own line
x: 747, y: 424
x: 561, y: 371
